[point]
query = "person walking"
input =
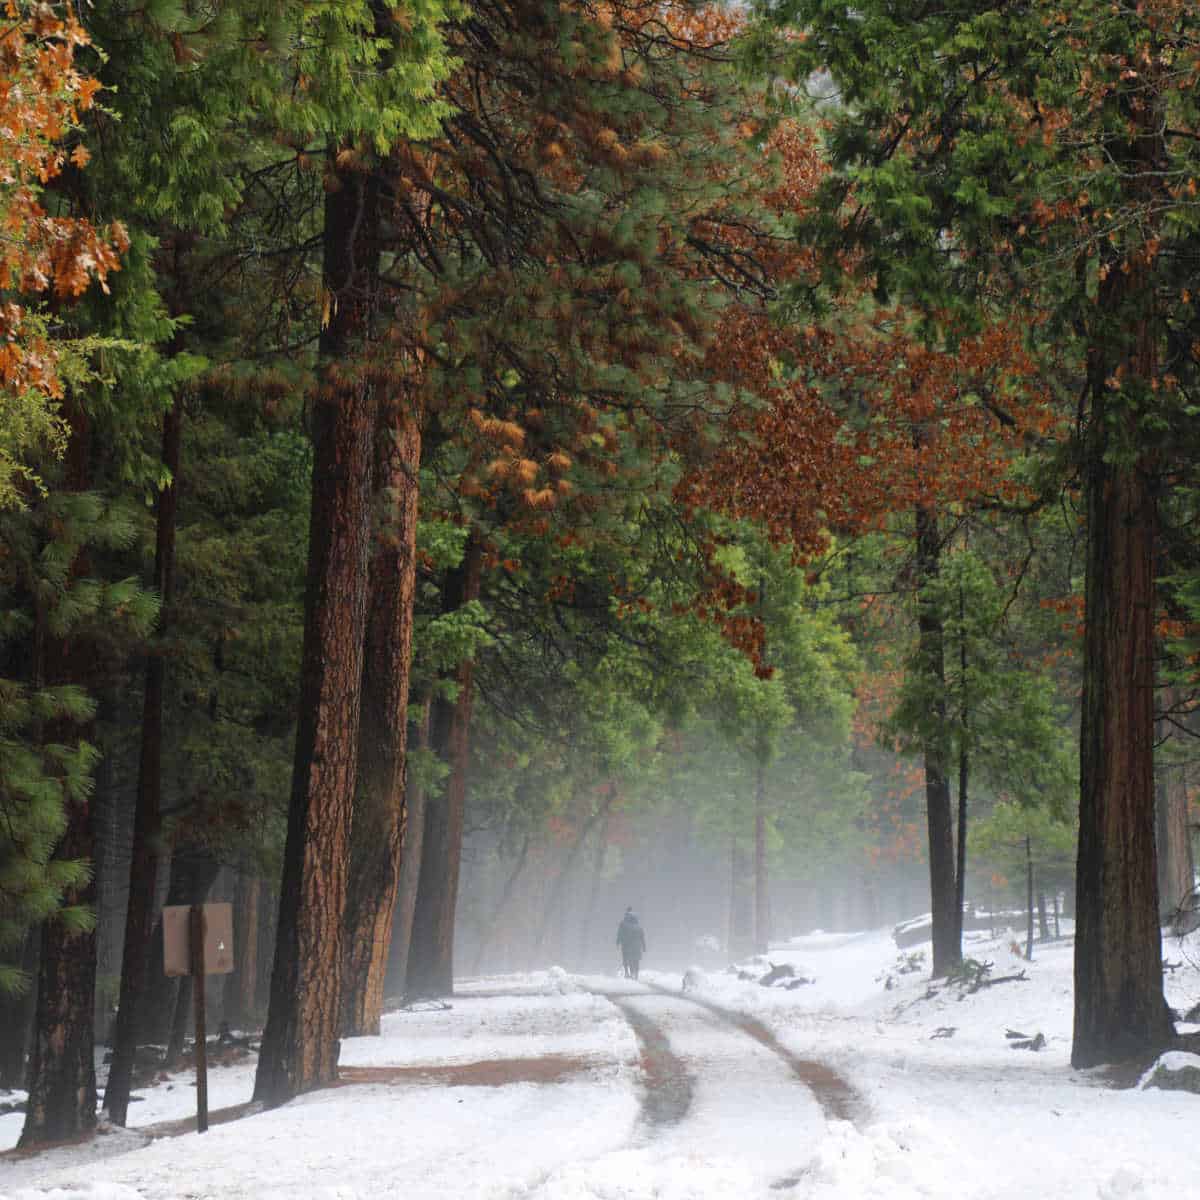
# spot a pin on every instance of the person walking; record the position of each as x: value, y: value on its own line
x: 632, y: 940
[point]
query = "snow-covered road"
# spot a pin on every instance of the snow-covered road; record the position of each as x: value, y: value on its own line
x: 721, y: 1112
x: 867, y: 1084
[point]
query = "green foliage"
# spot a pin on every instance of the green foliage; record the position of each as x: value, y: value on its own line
x: 1006, y: 718
x: 39, y: 779
x: 1012, y: 834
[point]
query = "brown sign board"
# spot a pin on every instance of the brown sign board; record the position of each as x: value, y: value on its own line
x: 218, y: 939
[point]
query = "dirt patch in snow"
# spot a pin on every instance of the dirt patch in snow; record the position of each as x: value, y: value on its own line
x: 490, y: 1072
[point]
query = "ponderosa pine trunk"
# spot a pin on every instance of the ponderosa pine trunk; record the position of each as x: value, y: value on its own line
x: 62, y: 1071
x: 300, y: 1042
x: 395, y: 977
x: 16, y: 1015
x: 500, y: 908
x: 431, y: 952
x: 943, y: 890
x: 588, y: 923
x: 380, y: 815
x: 144, y: 853
x: 1120, y: 1010
x: 741, y: 903
x: 761, y: 907
x: 964, y: 778
x: 242, y: 1008
x: 1173, y: 836
x: 556, y: 903
x: 1028, y: 898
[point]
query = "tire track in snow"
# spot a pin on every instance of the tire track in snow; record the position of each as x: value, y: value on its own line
x: 838, y: 1100
x: 669, y: 1084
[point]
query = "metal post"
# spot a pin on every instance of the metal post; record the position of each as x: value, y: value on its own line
x: 196, y: 951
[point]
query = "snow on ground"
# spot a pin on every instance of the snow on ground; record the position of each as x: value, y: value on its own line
x: 955, y: 1110
x: 950, y: 1110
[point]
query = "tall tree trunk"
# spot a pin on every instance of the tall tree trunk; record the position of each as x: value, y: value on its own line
x: 180, y: 1011
x: 1173, y: 839
x: 395, y: 977
x: 964, y: 776
x: 943, y: 890
x: 62, y: 1072
x: 300, y: 1042
x: 239, y: 1008
x: 431, y: 952
x: 501, y: 906
x: 587, y: 924
x: 1029, y: 898
x: 1120, y: 1010
x: 1043, y: 920
x: 109, y: 821
x: 741, y: 910
x: 144, y: 855
x: 761, y: 908
x: 380, y: 816
x: 268, y: 915
x: 556, y: 903
x: 16, y: 1013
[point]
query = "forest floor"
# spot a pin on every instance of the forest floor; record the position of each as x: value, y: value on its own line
x: 865, y: 1083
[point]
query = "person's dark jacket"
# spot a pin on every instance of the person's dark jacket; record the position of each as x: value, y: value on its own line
x: 631, y: 937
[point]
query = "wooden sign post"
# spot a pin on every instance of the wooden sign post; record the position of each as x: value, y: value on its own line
x: 198, y: 941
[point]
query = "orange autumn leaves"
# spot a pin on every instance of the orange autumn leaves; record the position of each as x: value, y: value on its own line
x: 857, y: 417
x: 42, y: 96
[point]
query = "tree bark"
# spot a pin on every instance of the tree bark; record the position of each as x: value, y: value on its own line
x: 741, y: 912
x: 268, y: 915
x: 761, y: 908
x: 395, y: 978
x: 506, y: 894
x: 300, y: 1042
x: 144, y: 855
x: 1176, y: 868
x: 1043, y: 919
x: 16, y: 1013
x: 964, y: 778
x: 556, y: 902
x: 431, y: 953
x: 943, y: 889
x: 587, y: 924
x: 180, y: 1011
x: 239, y: 1008
x: 1028, y: 898
x: 62, y: 1072
x: 1120, y: 1010
x: 380, y: 815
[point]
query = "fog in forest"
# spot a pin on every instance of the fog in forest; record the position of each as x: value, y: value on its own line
x: 556, y: 896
